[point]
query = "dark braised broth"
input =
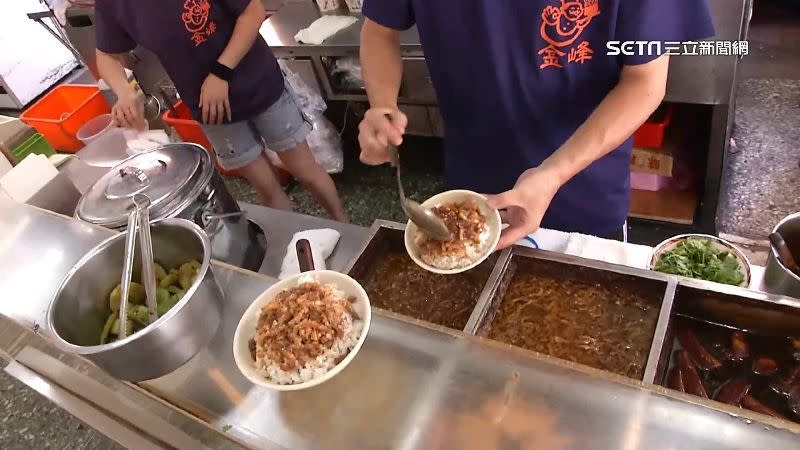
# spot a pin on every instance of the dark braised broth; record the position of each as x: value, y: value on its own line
x: 397, y: 284
x: 605, y: 326
x: 757, y: 372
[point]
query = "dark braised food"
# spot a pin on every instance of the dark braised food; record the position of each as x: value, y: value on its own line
x: 738, y: 368
x: 466, y: 223
x: 608, y: 328
x: 397, y: 284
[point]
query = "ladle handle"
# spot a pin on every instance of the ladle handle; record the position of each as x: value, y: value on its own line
x: 305, y: 257
x: 146, y: 245
x: 127, y: 271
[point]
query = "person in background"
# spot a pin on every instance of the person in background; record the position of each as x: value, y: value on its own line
x: 225, y: 72
x: 535, y: 109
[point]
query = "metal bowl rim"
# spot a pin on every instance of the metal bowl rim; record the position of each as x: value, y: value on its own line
x: 792, y: 275
x: 659, y: 249
x: 205, y: 266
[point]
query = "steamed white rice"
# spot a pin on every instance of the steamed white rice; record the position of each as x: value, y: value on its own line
x: 322, y: 363
x: 473, y: 253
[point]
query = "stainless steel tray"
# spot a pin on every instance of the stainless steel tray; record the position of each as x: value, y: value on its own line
x: 732, y: 307
x: 655, y: 286
x: 387, y: 237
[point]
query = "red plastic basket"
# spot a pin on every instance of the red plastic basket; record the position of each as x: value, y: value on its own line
x: 62, y: 111
x: 651, y: 133
x: 190, y: 131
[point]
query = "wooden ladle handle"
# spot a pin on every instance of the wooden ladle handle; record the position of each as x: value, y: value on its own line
x: 305, y: 257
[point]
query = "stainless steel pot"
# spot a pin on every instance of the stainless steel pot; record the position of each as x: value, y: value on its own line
x: 180, y: 181
x: 777, y: 278
x: 80, y: 307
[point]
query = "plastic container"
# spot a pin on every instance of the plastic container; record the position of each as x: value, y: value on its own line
x: 651, y: 133
x: 649, y: 181
x: 62, y: 111
x: 35, y: 144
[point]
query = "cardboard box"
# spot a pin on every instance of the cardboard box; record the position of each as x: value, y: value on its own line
x: 657, y: 162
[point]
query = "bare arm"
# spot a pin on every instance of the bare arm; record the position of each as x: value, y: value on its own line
x: 244, y: 34
x: 214, y: 101
x: 128, y: 111
x: 640, y: 90
x: 382, y: 68
x: 638, y: 93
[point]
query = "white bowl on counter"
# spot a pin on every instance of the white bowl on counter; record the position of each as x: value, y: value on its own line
x: 246, y: 328
x: 493, y: 223
x: 717, y: 243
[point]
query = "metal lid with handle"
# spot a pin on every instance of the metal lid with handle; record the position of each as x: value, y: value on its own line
x: 166, y: 174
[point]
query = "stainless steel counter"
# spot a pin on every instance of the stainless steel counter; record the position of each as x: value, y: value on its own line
x: 280, y: 29
x: 411, y: 386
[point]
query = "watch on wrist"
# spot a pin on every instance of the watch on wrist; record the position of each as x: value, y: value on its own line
x: 222, y: 71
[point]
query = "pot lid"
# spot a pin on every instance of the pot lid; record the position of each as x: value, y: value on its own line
x: 164, y: 175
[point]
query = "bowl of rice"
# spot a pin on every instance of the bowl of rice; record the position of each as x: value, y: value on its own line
x: 475, y: 228
x: 302, y: 331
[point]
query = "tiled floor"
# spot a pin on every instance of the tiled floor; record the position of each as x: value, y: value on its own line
x: 762, y: 177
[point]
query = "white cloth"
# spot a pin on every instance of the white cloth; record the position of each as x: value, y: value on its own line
x: 144, y: 141
x: 28, y: 177
x: 323, y: 242
x: 323, y: 28
x: 590, y: 247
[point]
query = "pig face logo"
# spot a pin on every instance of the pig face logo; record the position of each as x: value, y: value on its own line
x: 563, y: 24
x: 195, y: 19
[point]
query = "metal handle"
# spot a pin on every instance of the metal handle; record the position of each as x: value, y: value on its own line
x: 127, y: 271
x: 142, y: 203
x: 395, y: 154
x: 135, y: 172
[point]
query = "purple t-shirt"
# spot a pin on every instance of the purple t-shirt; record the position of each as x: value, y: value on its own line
x: 514, y: 79
x: 188, y: 36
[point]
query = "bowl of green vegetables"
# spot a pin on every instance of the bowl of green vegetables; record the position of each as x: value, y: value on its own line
x: 702, y: 257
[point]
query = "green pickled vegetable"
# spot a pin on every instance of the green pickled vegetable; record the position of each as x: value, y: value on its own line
x: 115, y: 327
x: 163, y: 307
x: 162, y: 295
x: 699, y: 258
x: 159, y: 272
x: 186, y: 275
x: 139, y: 314
x: 136, y: 295
x: 107, y: 328
x: 169, y: 280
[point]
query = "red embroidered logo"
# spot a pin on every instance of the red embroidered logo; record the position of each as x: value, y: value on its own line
x: 195, y: 20
x: 561, y: 27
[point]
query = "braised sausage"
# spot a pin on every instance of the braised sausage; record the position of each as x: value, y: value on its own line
x: 700, y: 355
x: 733, y: 391
x: 691, y: 379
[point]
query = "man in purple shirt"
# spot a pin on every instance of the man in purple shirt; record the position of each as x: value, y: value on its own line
x: 536, y: 112
x: 226, y: 73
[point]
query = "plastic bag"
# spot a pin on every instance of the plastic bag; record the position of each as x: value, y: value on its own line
x: 324, y: 140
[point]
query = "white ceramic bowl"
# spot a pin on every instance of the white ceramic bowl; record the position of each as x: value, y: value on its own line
x: 718, y: 243
x: 247, y: 327
x: 492, y: 222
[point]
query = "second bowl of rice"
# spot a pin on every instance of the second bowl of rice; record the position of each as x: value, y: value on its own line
x: 302, y: 331
x: 476, y: 232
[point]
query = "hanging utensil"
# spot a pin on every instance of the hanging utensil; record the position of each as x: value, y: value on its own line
x: 427, y: 222
x: 142, y: 203
x: 138, y: 224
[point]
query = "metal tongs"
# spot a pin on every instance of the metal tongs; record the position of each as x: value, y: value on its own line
x: 138, y: 223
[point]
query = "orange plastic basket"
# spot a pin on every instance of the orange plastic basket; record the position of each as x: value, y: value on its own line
x: 62, y: 111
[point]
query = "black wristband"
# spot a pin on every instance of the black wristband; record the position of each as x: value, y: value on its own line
x: 222, y: 71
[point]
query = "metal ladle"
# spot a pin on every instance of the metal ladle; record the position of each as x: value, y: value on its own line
x: 427, y: 222
x: 138, y: 223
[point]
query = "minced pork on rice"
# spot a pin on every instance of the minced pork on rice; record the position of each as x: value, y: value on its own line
x: 304, y: 332
x: 470, y: 237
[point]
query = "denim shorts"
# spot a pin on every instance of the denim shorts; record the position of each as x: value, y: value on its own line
x: 281, y: 127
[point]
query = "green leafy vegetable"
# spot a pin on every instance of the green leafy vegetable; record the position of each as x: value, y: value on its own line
x: 698, y: 258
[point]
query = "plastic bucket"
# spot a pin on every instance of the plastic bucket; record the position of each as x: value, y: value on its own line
x: 105, y: 142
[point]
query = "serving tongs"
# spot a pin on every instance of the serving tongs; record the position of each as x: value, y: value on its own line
x: 138, y: 224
